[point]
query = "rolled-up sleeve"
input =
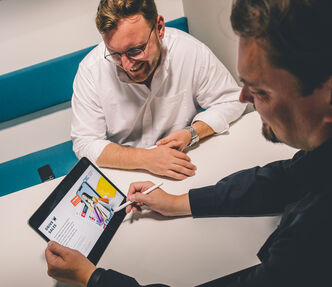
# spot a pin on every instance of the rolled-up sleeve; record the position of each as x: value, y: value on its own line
x: 88, y: 128
x: 217, y: 93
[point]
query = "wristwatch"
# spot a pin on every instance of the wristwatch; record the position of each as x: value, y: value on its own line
x: 194, y: 136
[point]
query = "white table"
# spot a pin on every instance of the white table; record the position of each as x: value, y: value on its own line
x: 175, y: 251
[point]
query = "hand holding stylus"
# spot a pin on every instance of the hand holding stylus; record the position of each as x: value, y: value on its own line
x: 145, y: 192
x: 159, y: 200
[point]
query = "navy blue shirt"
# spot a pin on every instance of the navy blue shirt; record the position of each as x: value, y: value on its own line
x: 299, y: 251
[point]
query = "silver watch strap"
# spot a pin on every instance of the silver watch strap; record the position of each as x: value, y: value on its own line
x: 194, y: 136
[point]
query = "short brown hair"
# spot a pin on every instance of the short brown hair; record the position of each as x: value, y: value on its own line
x: 110, y: 12
x: 296, y: 34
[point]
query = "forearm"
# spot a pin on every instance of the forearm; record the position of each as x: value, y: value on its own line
x: 180, y: 206
x: 117, y: 156
x: 202, y: 129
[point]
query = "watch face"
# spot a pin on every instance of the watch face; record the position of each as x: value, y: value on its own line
x: 194, y: 136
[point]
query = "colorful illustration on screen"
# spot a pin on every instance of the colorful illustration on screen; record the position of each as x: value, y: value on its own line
x: 95, y: 204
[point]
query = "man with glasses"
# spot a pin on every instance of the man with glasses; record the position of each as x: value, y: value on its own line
x: 145, y: 86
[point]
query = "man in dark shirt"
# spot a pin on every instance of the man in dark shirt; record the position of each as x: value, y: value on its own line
x: 285, y: 64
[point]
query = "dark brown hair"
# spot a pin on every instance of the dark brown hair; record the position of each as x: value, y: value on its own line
x: 296, y: 34
x: 110, y: 12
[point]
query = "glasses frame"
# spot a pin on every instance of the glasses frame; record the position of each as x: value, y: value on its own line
x: 116, y: 57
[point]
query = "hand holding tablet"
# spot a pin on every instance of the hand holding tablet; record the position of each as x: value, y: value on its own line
x: 79, y: 213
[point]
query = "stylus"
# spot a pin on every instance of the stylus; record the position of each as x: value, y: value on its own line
x: 145, y: 192
x: 151, y: 147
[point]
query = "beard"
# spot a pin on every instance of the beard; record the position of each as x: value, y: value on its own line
x: 269, y: 134
x: 146, y: 71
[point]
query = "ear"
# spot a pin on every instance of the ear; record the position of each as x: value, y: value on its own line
x: 160, y: 24
x: 328, y: 115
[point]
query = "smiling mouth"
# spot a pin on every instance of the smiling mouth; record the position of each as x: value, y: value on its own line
x: 138, y: 67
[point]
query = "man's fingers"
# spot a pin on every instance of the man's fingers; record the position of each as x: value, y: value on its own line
x: 138, y: 187
x: 138, y: 200
x: 50, y: 256
x: 139, y: 197
x: 173, y: 144
x: 56, y: 248
x: 53, y: 258
x: 179, y: 168
x: 163, y: 141
x: 136, y: 209
x: 135, y: 195
x: 128, y: 208
x: 175, y: 175
x: 185, y: 164
x: 133, y: 208
x: 181, y: 155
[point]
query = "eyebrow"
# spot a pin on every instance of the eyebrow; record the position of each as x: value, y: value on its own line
x: 112, y: 51
x: 257, y: 85
x: 243, y: 81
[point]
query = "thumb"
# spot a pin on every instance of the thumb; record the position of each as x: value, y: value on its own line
x: 56, y: 248
x: 52, y: 254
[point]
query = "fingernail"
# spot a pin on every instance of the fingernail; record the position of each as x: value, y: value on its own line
x: 132, y: 198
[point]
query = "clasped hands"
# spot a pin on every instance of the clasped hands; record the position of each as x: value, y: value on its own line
x: 168, y: 158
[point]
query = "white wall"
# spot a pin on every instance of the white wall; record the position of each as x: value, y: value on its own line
x: 37, y: 30
x: 170, y: 9
x: 32, y: 31
x: 209, y: 22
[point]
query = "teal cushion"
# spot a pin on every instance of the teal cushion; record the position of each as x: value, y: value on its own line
x: 180, y: 23
x: 39, y: 86
x: 22, y: 172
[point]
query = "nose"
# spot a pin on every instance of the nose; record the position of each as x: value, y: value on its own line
x: 245, y: 96
x: 126, y: 63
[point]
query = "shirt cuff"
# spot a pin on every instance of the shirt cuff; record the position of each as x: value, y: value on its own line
x: 218, y: 124
x: 110, y: 278
x: 92, y: 150
x: 203, y: 201
x: 95, y: 277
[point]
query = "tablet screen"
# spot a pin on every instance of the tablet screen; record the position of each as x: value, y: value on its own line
x: 81, y: 210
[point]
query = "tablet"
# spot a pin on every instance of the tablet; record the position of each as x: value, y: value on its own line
x: 79, y: 213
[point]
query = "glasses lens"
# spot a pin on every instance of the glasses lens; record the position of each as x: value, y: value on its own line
x: 135, y: 54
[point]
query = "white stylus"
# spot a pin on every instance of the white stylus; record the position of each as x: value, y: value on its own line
x: 145, y: 192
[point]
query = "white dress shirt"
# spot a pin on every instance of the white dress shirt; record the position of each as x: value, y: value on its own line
x: 109, y: 107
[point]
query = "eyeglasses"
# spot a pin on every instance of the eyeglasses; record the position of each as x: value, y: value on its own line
x: 132, y: 54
